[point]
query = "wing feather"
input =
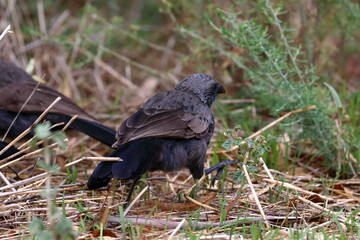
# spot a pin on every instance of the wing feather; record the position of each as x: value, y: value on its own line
x: 14, y: 96
x: 173, y: 120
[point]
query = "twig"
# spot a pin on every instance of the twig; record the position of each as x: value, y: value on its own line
x: 109, y: 69
x: 27, y: 155
x: 293, y: 187
x: 109, y: 159
x: 272, y: 124
x: 69, y: 122
x: 323, y: 209
x: 198, y: 182
x: 266, y: 168
x: 6, y: 181
x: 23, y: 182
x: 233, y: 101
x: 152, y: 45
x: 31, y: 127
x: 177, y: 229
x: 200, y: 204
x: 7, y: 29
x: 317, y: 206
x: 135, y: 200
x: 41, y: 17
x: 166, y: 224
x: 253, y: 189
x: 262, y: 191
x: 127, y: 60
x: 18, y: 113
x: 285, y: 41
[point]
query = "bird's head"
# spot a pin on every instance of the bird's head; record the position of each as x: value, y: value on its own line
x: 203, y: 86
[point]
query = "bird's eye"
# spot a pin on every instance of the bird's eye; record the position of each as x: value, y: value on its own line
x: 214, y: 87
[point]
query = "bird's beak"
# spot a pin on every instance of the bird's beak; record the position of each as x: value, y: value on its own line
x: 220, y: 89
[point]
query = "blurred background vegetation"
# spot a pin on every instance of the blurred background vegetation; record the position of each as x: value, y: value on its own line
x: 272, y: 56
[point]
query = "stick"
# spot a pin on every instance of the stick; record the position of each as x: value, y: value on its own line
x: 31, y: 127
x: 177, y: 229
x: 258, y: 204
x: 22, y: 107
x: 135, y: 200
x: 7, y: 29
x: 110, y: 159
x: 270, y: 125
x: 293, y: 187
x: 168, y: 224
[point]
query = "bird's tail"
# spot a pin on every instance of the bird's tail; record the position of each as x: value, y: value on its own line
x: 9, y: 152
x: 101, y: 175
x: 136, y: 158
x: 95, y: 130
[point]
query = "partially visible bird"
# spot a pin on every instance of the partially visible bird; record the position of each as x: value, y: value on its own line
x: 15, y: 88
x: 9, y: 152
x: 171, y: 131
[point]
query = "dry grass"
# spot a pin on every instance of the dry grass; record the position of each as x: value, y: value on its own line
x: 280, y: 200
x: 300, y: 202
x: 277, y: 199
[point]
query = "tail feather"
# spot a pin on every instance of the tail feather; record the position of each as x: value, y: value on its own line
x: 101, y: 176
x: 137, y: 157
x: 93, y: 129
x: 18, y: 127
x: 9, y: 152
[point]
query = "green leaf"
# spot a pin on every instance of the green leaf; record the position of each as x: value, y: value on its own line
x: 237, y: 127
x: 228, y: 144
x: 59, y: 137
x: 261, y: 151
x: 227, y: 132
x: 238, y: 142
x: 48, y: 168
x: 335, y: 95
x: 42, y: 131
x: 64, y: 228
x: 36, y: 226
x: 238, y: 176
x: 252, y: 168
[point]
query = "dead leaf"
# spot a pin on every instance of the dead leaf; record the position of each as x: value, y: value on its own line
x: 105, y: 233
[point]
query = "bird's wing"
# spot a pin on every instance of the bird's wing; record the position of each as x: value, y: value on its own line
x: 14, y: 95
x: 10, y: 73
x: 167, y: 119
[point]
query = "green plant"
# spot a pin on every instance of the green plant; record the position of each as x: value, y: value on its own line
x: 247, y: 148
x: 282, y: 79
x: 57, y: 225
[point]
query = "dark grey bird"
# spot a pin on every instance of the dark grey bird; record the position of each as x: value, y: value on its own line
x: 9, y: 152
x: 15, y: 88
x: 171, y: 131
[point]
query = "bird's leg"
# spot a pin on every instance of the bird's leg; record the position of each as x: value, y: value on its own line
x: 220, y: 167
x: 133, y: 184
